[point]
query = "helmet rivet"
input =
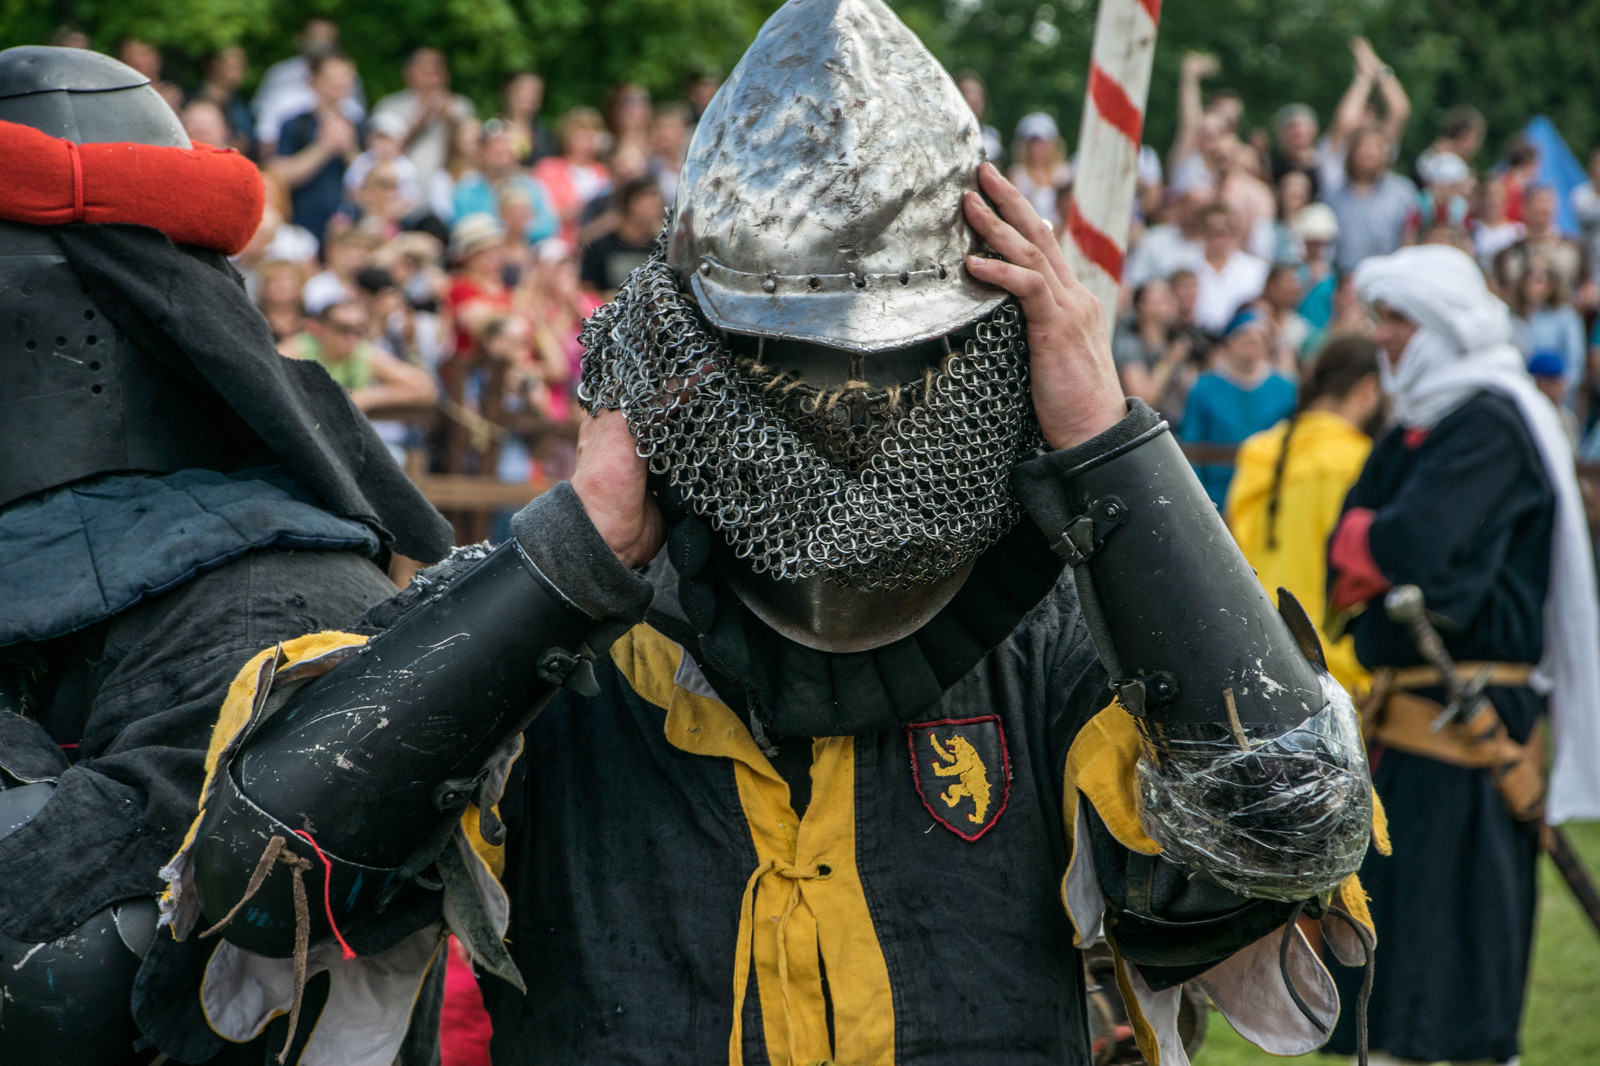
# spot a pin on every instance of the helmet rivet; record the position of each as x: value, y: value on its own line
x: 814, y: 282
x: 769, y: 284
x: 705, y: 267
x: 905, y: 277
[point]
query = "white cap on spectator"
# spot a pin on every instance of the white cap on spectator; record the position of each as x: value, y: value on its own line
x: 388, y: 124
x: 1442, y: 168
x: 1037, y: 125
x: 1315, y: 222
x: 475, y: 233
x: 553, y: 250
x: 322, y: 292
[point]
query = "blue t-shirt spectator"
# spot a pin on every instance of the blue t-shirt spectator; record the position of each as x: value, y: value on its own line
x: 475, y: 195
x: 1221, y: 411
x: 315, y: 202
x: 1316, y: 307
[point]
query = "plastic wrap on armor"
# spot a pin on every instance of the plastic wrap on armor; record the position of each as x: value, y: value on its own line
x: 1268, y: 811
x: 1253, y: 768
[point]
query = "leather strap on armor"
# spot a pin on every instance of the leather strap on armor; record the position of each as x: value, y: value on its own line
x: 1177, y: 616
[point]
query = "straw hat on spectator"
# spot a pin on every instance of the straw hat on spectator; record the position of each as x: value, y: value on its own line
x: 423, y: 247
x: 473, y: 234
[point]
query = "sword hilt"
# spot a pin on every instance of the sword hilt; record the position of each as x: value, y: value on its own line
x: 1405, y: 604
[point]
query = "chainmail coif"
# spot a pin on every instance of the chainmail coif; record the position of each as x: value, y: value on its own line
x: 931, y: 491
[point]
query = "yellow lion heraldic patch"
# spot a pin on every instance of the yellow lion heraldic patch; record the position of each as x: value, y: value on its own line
x: 959, y: 759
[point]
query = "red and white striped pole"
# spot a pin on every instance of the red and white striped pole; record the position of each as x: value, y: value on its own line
x: 1108, y: 145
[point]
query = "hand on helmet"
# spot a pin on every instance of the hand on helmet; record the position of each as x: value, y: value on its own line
x: 610, y: 482
x: 1076, y: 395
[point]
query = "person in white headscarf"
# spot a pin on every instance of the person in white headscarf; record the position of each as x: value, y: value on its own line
x: 1471, y: 497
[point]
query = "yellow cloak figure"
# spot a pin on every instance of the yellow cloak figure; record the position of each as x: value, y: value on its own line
x: 1288, y: 545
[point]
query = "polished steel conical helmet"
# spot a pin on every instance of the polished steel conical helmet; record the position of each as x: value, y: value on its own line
x: 821, y: 197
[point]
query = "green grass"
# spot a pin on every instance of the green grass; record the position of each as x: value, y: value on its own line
x: 1562, y: 1025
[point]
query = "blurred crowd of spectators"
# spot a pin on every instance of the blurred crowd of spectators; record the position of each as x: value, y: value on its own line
x: 437, y: 259
x: 1244, y: 244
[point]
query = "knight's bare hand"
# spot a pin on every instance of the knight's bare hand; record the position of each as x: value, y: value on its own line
x: 610, y: 482
x: 1076, y: 394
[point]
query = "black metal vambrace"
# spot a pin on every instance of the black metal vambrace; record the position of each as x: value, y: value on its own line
x: 377, y: 759
x: 1181, y: 624
x: 1253, y: 770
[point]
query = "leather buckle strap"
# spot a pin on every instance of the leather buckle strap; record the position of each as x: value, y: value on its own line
x: 1501, y: 675
x: 1085, y: 534
x: 1405, y: 722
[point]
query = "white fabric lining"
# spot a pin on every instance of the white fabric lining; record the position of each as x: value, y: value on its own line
x: 1249, y: 990
x: 370, y: 998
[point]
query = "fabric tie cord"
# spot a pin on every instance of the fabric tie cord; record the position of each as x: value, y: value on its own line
x: 203, y: 196
x: 327, y: 893
x: 797, y: 876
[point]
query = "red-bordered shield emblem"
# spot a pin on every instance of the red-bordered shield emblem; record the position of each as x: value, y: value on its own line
x: 962, y: 771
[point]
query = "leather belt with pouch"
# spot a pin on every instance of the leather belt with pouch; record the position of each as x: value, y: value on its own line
x: 1402, y: 720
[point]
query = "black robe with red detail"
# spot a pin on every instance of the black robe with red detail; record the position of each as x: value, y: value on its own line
x: 1465, y: 512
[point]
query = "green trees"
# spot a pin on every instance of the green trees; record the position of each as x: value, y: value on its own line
x: 1511, y: 58
x: 582, y: 46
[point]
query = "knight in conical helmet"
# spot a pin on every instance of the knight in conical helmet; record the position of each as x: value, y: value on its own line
x: 878, y: 655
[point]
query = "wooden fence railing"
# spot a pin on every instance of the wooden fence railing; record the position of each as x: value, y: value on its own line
x: 459, y: 495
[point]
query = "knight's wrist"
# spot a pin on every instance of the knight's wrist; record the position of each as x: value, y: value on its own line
x: 560, y: 535
x: 1088, y: 428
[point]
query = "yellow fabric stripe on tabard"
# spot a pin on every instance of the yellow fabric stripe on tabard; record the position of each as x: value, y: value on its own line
x: 804, y: 907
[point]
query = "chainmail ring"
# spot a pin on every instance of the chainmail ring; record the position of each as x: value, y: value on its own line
x: 909, y: 502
